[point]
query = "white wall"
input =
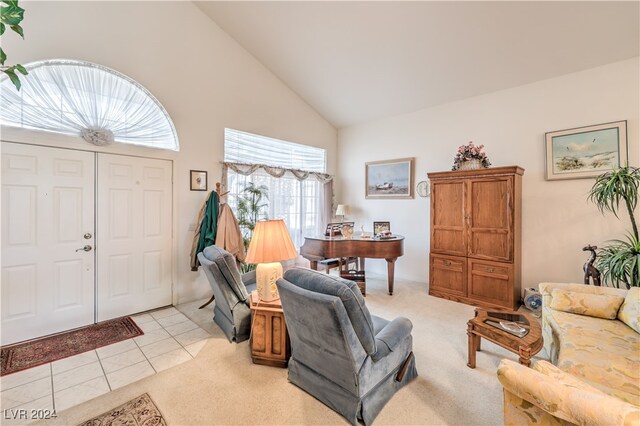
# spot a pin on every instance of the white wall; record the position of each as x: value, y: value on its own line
x: 204, y: 79
x: 557, y: 219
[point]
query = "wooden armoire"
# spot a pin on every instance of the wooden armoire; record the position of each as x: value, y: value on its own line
x: 476, y: 218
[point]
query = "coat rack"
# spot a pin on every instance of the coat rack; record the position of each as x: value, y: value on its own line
x: 219, y: 188
x: 220, y: 195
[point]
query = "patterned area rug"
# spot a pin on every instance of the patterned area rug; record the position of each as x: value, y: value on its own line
x: 25, y: 355
x: 140, y: 411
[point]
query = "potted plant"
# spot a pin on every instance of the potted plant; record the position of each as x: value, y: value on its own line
x: 619, y: 261
x: 11, y: 15
x: 470, y: 157
x: 251, y: 208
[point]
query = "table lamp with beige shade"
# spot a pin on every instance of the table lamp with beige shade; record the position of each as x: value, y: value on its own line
x: 342, y: 211
x: 270, y: 245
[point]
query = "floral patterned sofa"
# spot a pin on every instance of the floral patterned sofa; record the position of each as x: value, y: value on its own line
x: 592, y: 337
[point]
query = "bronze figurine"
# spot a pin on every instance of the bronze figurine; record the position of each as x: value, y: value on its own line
x: 591, y: 271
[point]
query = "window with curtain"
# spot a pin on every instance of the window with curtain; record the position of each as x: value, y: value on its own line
x: 88, y: 100
x: 243, y: 147
x: 293, y: 173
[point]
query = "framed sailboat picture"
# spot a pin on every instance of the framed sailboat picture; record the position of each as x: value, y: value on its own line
x: 389, y: 178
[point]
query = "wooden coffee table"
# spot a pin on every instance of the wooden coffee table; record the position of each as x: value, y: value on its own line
x: 525, y: 347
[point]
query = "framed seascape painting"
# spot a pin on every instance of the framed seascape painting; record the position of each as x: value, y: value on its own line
x: 586, y: 152
x: 389, y: 179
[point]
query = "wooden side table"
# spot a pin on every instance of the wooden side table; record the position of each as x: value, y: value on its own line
x: 269, y: 338
x: 526, y: 347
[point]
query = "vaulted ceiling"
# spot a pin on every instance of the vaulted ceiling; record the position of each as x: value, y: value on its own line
x: 360, y: 61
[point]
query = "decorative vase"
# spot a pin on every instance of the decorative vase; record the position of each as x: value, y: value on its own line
x: 472, y: 164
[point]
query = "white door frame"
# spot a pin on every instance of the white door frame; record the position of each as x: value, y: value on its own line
x: 56, y: 140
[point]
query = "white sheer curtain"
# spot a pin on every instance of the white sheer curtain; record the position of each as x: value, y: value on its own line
x: 88, y: 100
x: 299, y: 203
x: 248, y: 148
x: 300, y: 192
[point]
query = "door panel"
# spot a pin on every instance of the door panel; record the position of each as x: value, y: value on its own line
x: 47, y: 207
x: 134, y: 233
x: 490, y: 218
x: 447, y: 216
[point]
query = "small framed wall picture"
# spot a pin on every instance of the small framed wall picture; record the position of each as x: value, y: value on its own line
x: 198, y: 180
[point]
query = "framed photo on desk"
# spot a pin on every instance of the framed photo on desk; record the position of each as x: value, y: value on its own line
x: 379, y: 227
x: 335, y: 229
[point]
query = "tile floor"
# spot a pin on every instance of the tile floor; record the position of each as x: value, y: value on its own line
x: 170, y: 338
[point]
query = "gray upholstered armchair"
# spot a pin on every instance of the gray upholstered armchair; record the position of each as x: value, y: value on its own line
x: 350, y: 360
x: 231, y: 291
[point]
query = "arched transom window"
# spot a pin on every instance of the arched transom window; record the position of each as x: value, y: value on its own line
x: 80, y: 98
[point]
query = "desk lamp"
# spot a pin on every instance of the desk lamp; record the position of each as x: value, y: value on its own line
x: 341, y: 210
x: 270, y: 244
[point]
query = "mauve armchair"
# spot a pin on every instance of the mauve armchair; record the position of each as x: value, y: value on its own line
x: 231, y: 291
x: 350, y: 360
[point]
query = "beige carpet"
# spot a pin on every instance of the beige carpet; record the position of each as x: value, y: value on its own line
x: 222, y: 386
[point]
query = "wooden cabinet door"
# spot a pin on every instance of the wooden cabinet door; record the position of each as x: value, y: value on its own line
x: 448, y: 274
x: 447, y: 217
x: 489, y: 217
x: 269, y: 339
x: 491, y: 282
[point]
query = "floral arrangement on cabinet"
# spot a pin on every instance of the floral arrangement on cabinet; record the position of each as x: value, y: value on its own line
x: 470, y: 157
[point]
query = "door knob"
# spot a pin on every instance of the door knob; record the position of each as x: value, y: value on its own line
x: 85, y: 248
x: 87, y: 236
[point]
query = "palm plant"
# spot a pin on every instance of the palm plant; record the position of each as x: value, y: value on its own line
x: 619, y: 262
x: 251, y: 208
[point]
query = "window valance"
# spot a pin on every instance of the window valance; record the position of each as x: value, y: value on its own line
x: 277, y: 172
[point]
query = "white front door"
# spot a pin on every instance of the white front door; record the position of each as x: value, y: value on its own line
x: 47, y: 218
x: 134, y: 234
